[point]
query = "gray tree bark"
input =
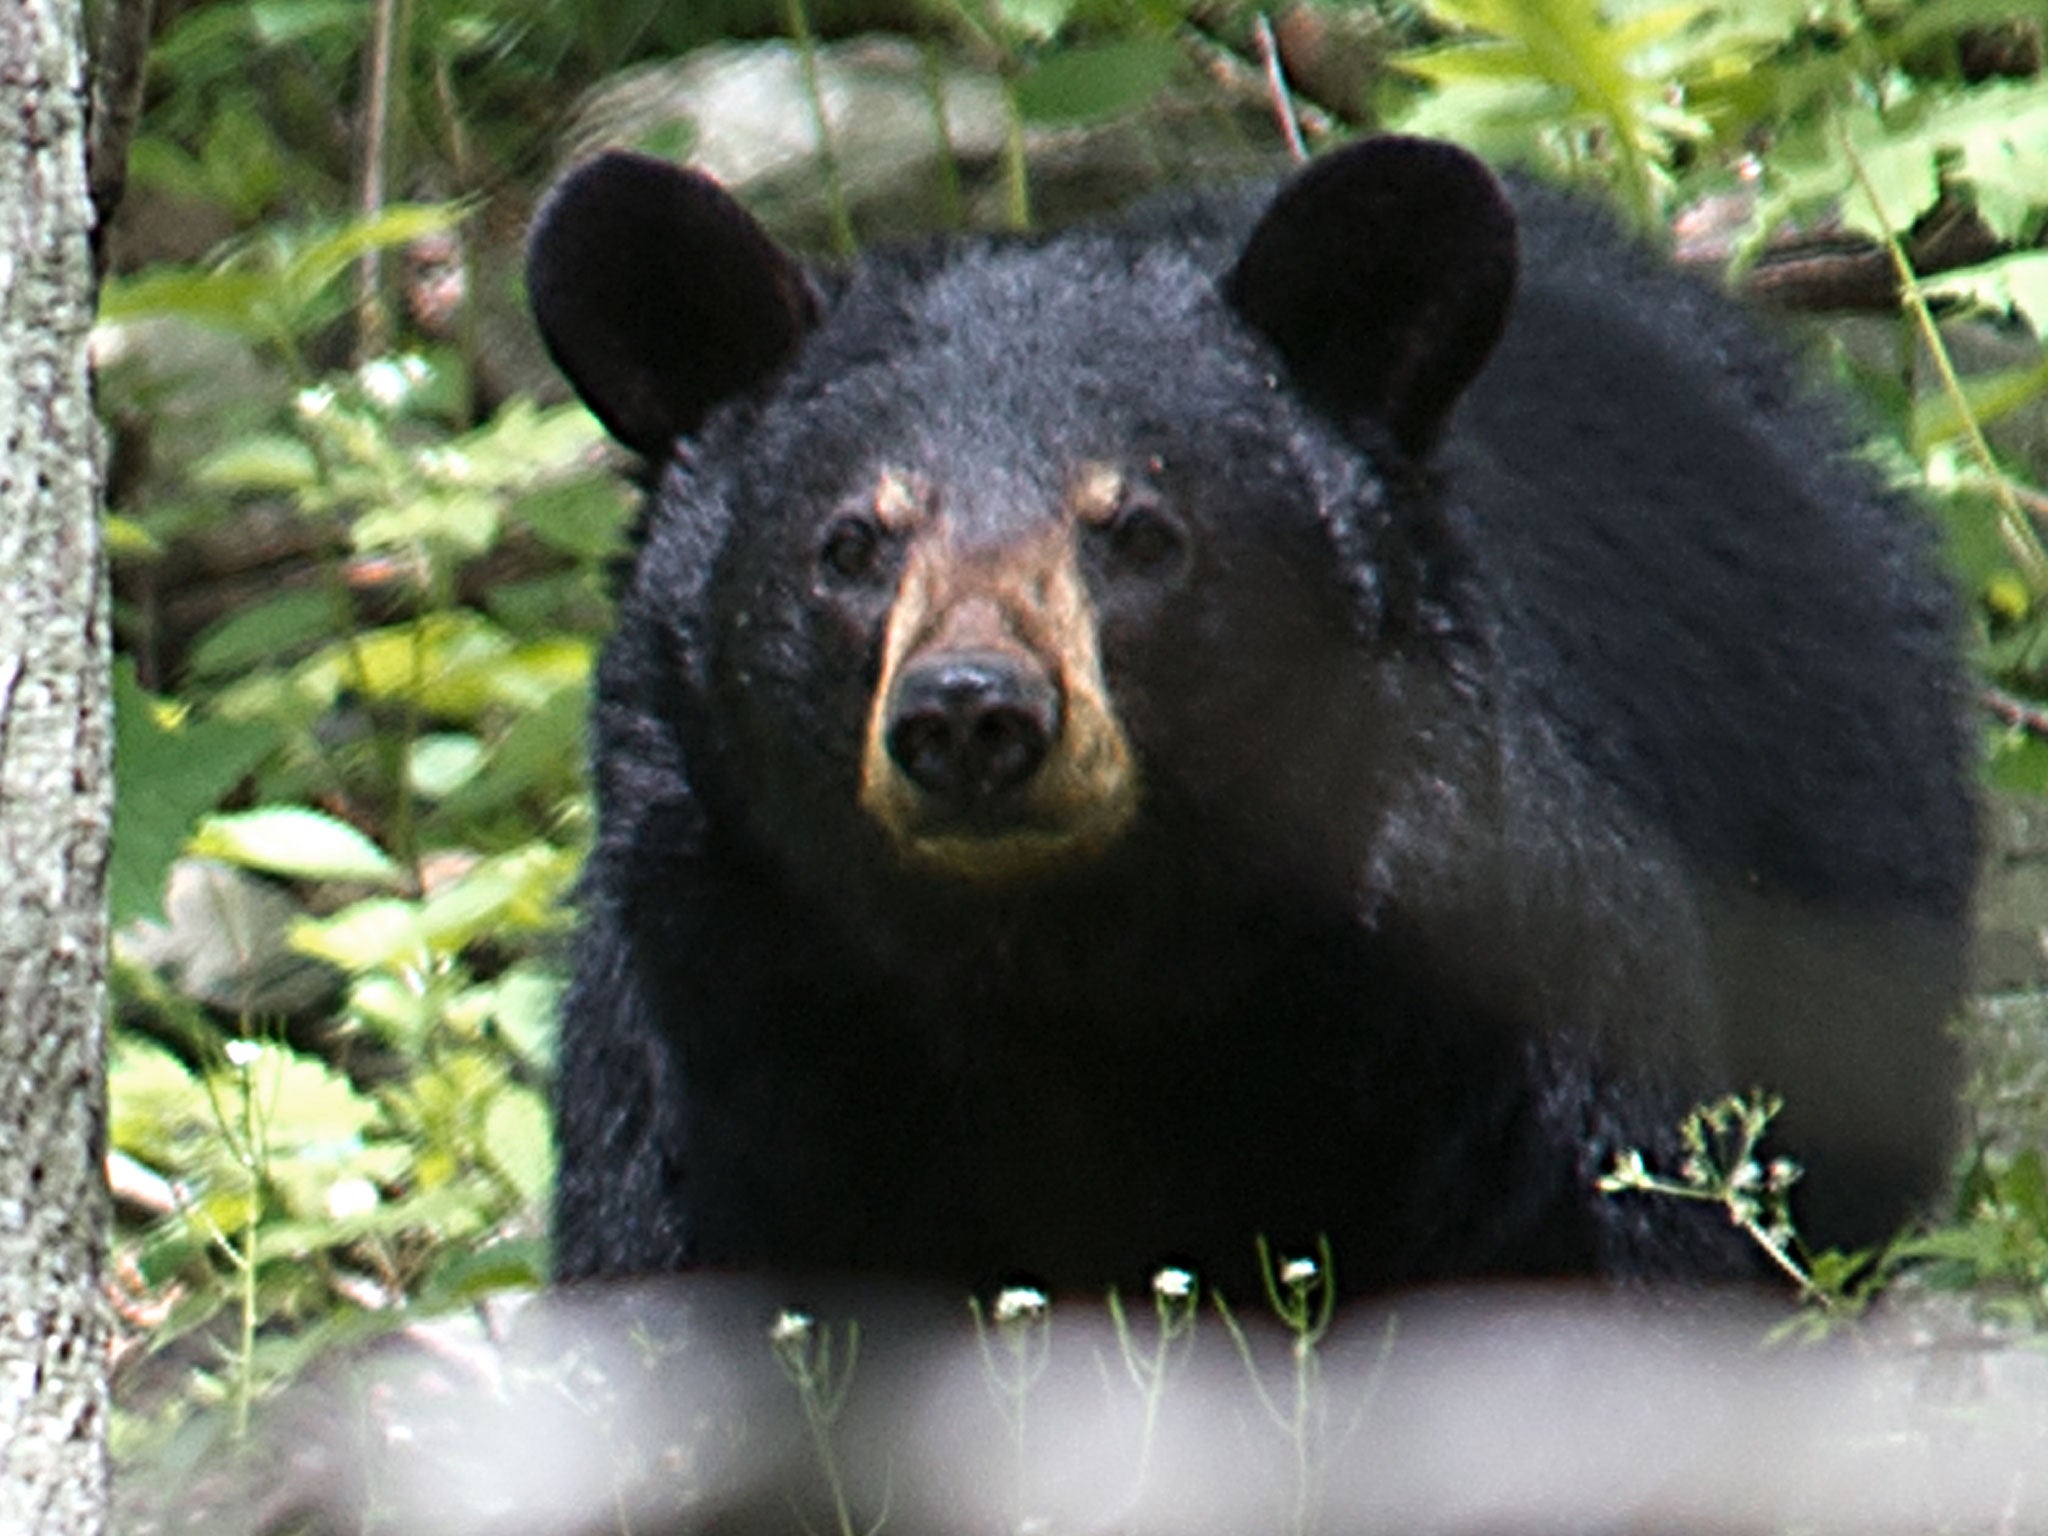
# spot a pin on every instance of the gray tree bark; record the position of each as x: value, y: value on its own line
x: 55, y: 796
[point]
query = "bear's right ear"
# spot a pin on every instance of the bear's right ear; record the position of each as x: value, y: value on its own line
x: 1383, y: 274
x: 659, y: 296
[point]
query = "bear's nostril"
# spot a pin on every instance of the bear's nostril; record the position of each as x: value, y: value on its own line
x: 969, y: 728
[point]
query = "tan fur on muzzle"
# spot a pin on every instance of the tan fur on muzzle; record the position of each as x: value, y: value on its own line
x: 1024, y: 600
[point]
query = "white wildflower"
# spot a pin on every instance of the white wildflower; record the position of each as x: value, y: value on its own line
x: 384, y: 381
x: 1173, y: 1285
x: 1020, y: 1304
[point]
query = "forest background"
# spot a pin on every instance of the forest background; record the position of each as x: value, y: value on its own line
x: 361, y: 542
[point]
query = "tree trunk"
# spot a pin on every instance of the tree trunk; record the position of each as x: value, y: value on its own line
x: 54, y: 797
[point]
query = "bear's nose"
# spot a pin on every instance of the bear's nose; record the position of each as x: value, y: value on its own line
x: 968, y: 726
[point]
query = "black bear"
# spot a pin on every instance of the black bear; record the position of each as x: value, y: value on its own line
x: 1321, y: 715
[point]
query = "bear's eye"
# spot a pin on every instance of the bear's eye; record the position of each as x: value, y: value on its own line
x: 1144, y: 536
x: 852, y: 548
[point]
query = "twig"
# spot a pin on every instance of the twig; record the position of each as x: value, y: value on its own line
x: 121, y: 66
x: 798, y: 24
x: 2016, y: 712
x: 1276, y: 88
x: 1231, y: 73
x: 372, y: 326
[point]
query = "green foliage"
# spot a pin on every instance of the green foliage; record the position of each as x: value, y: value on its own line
x: 1720, y: 1164
x: 386, y: 740
x: 1859, y: 117
x: 1579, y: 80
x: 464, y: 808
x: 394, y: 743
x: 276, y: 289
x: 1103, y: 80
x: 169, y: 775
x: 1996, y: 1249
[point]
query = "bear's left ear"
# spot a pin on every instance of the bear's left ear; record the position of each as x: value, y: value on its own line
x: 659, y: 296
x: 1383, y: 273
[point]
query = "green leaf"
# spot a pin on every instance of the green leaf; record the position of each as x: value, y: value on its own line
x: 1088, y: 83
x: 1460, y: 63
x: 454, y: 666
x: 296, y: 842
x: 526, y: 1004
x: 513, y: 893
x: 2024, y: 1188
x: 1901, y: 180
x: 264, y: 631
x: 241, y: 161
x: 518, y: 890
x: 153, y: 1101
x: 166, y: 775
x: 1997, y: 135
x: 542, y: 752
x: 308, y: 1106
x: 289, y: 21
x: 1990, y: 395
x: 270, y: 462
x: 2018, y: 763
x: 463, y: 522
x: 128, y: 539
x: 319, y: 261
x: 2000, y: 136
x: 521, y: 446
x: 227, y: 299
x: 585, y: 517
x: 443, y: 762
x: 2017, y: 283
x: 366, y: 935
x: 517, y: 1140
x: 463, y: 1274
x: 1037, y: 21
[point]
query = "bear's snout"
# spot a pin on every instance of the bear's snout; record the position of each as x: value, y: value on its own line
x: 969, y: 728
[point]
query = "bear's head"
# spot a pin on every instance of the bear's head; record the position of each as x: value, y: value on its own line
x: 986, y: 545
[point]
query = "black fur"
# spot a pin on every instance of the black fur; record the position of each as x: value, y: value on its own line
x: 1515, y: 771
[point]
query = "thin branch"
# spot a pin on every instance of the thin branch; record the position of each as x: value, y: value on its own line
x: 2016, y: 531
x: 798, y: 24
x: 2016, y: 712
x: 121, y: 65
x: 1242, y: 80
x: 372, y: 325
x: 1276, y: 88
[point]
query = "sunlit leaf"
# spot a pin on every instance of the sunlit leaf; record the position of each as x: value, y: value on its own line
x: 465, y: 522
x: 525, y: 1005
x: 315, y: 263
x: 517, y: 1139
x: 366, y: 935
x: 227, y: 300
x: 1033, y: 20
x: 441, y: 763
x: 128, y: 539
x: 2018, y: 283
x: 519, y: 890
x: 270, y: 462
x: 294, y: 841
